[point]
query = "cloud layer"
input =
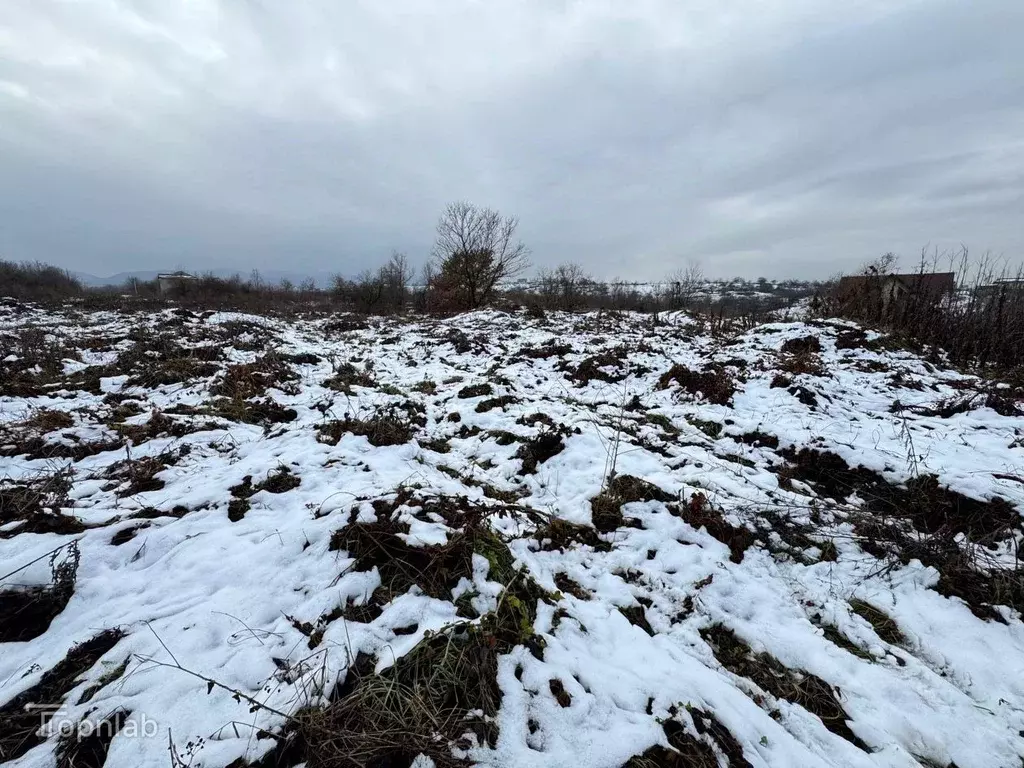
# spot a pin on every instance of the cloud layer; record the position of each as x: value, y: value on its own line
x: 795, y: 138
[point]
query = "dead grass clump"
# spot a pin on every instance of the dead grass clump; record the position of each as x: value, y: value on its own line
x: 570, y: 587
x: 608, y: 366
x: 37, y: 504
x: 28, y: 442
x: 712, y: 429
x: 806, y: 363
x: 345, y: 325
x: 19, y: 723
x: 46, y: 420
x: 545, y: 351
x: 139, y: 474
x: 280, y: 480
x: 495, y: 402
x: 387, y: 426
x: 560, y: 535
x: 475, y: 390
x: 237, y: 509
x: 1003, y: 402
x: 781, y: 534
x: 500, y: 436
x: 434, y: 569
x: 663, y: 421
x: 440, y: 695
x: 299, y: 358
x: 533, y: 419
x: 260, y: 411
x: 540, y: 448
x: 887, y: 629
x: 425, y: 387
x: 831, y: 476
x: 464, y: 343
x: 19, y: 383
x: 801, y: 346
x: 248, y: 380
x: 757, y: 438
x: 933, y: 509
x: 636, y: 616
x: 804, y: 395
x: 921, y: 520
x: 36, y: 362
x: 108, y: 677
x: 688, y: 751
x: 707, y: 725
x: 159, y: 424
x: 716, y: 386
x: 158, y: 359
x: 855, y: 338
x: 127, y: 534
x: 699, y: 513
x: 26, y: 612
x: 444, y: 693
x: 315, y: 631
x: 436, y: 444
x: 964, y: 572
x: 366, y: 611
x: 240, y: 494
x: 606, y: 507
x: 837, y: 638
x: 770, y: 675
x: 347, y: 376
x: 179, y: 370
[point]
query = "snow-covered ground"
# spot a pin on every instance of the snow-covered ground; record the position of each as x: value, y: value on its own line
x: 653, y: 546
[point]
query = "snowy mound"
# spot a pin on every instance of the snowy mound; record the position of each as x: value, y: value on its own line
x: 577, y: 540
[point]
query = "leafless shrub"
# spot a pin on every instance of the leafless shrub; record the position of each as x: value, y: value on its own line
x: 37, y: 282
x: 565, y: 287
x: 683, y: 286
x: 475, y: 250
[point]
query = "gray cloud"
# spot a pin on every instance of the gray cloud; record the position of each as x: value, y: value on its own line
x: 795, y: 140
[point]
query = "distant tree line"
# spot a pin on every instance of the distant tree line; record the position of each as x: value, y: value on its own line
x: 477, y: 260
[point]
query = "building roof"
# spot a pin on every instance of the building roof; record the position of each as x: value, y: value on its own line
x: 924, y: 282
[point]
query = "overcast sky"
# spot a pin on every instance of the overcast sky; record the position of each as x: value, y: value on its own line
x: 787, y: 138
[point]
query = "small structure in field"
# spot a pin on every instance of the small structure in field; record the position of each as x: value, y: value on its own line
x: 887, y: 292
x: 1002, y: 286
x: 171, y: 281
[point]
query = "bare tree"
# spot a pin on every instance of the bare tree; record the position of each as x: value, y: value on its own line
x: 340, y: 287
x: 367, y: 291
x: 394, y: 277
x: 566, y: 286
x: 684, y: 284
x: 883, y: 265
x: 475, y: 250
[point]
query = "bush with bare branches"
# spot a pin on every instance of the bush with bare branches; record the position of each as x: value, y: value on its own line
x: 476, y: 249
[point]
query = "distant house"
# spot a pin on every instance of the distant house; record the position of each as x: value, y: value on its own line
x: 883, y: 293
x: 1002, y: 286
x: 170, y: 281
